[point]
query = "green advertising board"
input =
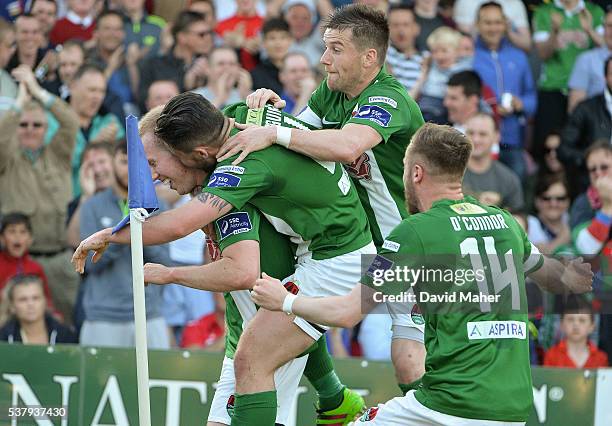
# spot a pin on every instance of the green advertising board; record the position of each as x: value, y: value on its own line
x: 98, y: 387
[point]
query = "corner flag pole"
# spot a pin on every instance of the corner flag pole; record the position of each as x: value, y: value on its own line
x: 137, y: 217
x: 142, y: 201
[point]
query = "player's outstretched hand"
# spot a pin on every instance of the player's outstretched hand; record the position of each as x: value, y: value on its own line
x: 269, y: 293
x: 98, y: 243
x: 578, y: 277
x: 260, y: 97
x: 154, y: 273
x: 251, y: 138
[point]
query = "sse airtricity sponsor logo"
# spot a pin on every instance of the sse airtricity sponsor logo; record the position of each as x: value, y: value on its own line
x: 233, y: 224
x: 223, y: 179
x: 374, y: 113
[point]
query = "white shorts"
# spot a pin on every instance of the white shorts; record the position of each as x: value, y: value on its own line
x: 407, y: 411
x: 328, y: 277
x: 286, y: 381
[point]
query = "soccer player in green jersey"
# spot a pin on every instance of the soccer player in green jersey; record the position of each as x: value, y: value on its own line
x: 311, y: 201
x: 477, y: 364
x: 368, y: 119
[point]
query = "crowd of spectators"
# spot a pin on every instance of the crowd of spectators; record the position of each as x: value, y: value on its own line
x: 530, y: 82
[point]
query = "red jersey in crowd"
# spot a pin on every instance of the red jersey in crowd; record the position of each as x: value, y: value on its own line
x: 202, y: 332
x: 252, y: 26
x: 557, y: 356
x: 11, y: 266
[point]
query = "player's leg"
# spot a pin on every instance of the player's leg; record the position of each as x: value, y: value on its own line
x: 407, y: 348
x: 218, y: 414
x: 270, y: 340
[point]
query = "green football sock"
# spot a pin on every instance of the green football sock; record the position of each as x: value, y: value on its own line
x: 255, y: 409
x: 320, y: 373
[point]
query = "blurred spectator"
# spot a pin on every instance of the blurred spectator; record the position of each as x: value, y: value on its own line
x: 28, y: 322
x: 35, y: 180
x: 549, y: 230
x: 87, y: 90
x: 28, y: 36
x: 298, y: 81
x: 69, y: 59
x: 562, y: 30
x: 8, y: 88
x: 119, y: 64
x: 576, y: 350
x: 506, y: 70
x: 590, y: 121
x: 487, y: 179
x: 208, y: 331
x: 591, y: 223
x: 466, y: 46
x: 16, y: 240
x: 429, y: 19
x: 514, y: 11
x: 404, y: 59
x: 228, y: 82
x: 276, y: 43
x: 79, y: 22
x: 241, y: 31
x: 95, y: 175
x: 207, y: 9
x: 462, y: 99
x: 588, y: 76
x: 301, y: 17
x: 551, y: 164
x: 445, y: 61
x: 10, y: 10
x: 192, y: 38
x: 160, y: 92
x: 141, y: 28
x: 46, y: 13
x: 108, y: 296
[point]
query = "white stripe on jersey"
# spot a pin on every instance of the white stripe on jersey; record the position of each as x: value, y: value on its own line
x: 284, y: 228
x: 385, y: 209
x: 587, y: 243
x: 245, y: 305
x: 533, y: 259
x: 309, y: 116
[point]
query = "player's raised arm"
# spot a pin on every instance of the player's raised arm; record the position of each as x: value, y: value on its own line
x: 163, y: 228
x: 335, y: 311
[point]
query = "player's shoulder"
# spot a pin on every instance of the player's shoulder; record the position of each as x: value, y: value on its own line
x: 387, y: 91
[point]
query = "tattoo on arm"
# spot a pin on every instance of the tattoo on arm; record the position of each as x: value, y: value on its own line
x: 213, y: 200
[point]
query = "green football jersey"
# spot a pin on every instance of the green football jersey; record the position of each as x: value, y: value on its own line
x: 477, y: 363
x: 386, y: 107
x: 276, y: 256
x: 573, y: 40
x: 313, y: 202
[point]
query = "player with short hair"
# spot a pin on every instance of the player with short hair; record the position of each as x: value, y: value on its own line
x: 368, y: 119
x: 312, y: 202
x: 476, y: 338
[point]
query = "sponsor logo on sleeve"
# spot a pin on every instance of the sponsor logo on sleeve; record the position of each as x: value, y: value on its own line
x: 382, y: 99
x: 391, y: 246
x: 223, y: 179
x: 480, y: 330
x: 360, y: 168
x: 374, y: 113
x: 233, y: 224
x: 230, y: 169
x: 379, y: 263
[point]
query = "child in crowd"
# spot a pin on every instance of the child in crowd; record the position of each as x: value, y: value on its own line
x: 576, y: 350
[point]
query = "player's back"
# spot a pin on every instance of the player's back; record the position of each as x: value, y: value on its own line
x: 474, y: 309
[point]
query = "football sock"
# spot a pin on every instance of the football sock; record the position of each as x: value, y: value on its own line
x: 320, y: 373
x: 255, y: 409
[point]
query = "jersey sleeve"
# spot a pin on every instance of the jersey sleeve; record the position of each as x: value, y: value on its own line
x: 382, y: 109
x: 238, y: 225
x: 238, y: 184
x: 401, y: 248
x: 532, y: 258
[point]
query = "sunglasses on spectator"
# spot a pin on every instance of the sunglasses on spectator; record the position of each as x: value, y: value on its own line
x: 559, y: 199
x: 35, y: 124
x: 601, y: 168
x: 549, y: 150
